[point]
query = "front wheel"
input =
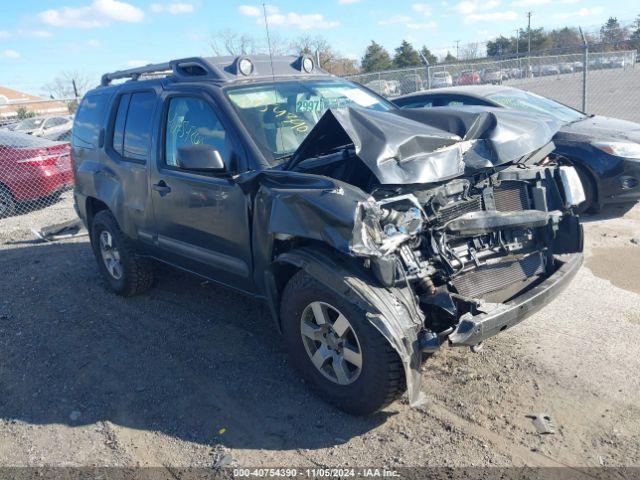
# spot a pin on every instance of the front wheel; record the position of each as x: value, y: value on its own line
x: 336, y: 350
x: 588, y: 185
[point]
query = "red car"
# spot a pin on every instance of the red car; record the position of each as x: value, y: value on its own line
x: 469, y: 78
x: 31, y: 169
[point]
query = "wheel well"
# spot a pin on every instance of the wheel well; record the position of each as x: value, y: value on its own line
x: 93, y: 207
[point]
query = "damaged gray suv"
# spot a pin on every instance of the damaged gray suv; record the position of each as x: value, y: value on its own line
x: 375, y: 235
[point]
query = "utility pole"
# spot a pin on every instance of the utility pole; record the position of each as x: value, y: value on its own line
x: 529, y: 41
x: 517, y: 41
x: 457, y: 54
x: 529, y: 32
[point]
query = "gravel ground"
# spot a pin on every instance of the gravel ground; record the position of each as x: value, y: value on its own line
x: 190, y: 372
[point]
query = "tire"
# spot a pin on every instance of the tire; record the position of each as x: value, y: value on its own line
x: 588, y: 185
x: 379, y: 381
x: 7, y: 203
x: 134, y: 274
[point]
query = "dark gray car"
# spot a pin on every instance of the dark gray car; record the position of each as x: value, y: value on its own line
x: 373, y: 234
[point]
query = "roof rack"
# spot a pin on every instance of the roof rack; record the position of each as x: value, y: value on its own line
x: 222, y: 68
x: 186, y: 67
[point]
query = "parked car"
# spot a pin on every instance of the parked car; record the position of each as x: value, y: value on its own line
x: 441, y: 79
x: 617, y: 62
x: 578, y: 67
x: 566, y: 67
x: 410, y: 83
x: 605, y: 151
x: 59, y: 135
x: 492, y: 76
x: 469, y: 77
x: 381, y: 87
x: 31, y: 169
x: 41, y: 126
x: 550, y: 70
x: 394, y: 87
x: 362, y: 226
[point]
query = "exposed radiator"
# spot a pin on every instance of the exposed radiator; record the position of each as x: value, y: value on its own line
x: 455, y: 209
x: 511, y: 197
x: 491, y: 278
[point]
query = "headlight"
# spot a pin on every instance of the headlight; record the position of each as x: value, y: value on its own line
x: 619, y: 149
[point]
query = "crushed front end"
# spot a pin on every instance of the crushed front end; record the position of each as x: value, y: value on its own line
x: 480, y: 253
x: 461, y: 210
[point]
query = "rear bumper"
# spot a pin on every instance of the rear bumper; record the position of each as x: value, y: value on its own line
x: 473, y: 329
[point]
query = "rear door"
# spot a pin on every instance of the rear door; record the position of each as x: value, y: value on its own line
x: 201, y: 220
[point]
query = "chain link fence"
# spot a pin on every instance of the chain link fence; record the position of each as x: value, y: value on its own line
x: 612, y: 79
x: 36, y: 177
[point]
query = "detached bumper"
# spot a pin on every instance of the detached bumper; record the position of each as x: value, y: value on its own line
x: 474, y: 329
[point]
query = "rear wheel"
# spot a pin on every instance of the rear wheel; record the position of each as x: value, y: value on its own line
x: 7, y: 203
x: 336, y: 350
x: 125, y: 271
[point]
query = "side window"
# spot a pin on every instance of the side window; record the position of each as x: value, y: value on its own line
x: 118, y: 126
x: 88, y: 121
x: 189, y: 121
x: 462, y: 101
x: 137, y: 129
x: 419, y: 104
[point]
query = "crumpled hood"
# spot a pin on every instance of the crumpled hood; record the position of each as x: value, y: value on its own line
x: 427, y: 145
x: 600, y: 128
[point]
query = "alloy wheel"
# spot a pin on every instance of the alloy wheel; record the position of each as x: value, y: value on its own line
x: 110, y: 255
x: 331, y: 343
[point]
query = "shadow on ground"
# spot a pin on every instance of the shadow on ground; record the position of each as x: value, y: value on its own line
x: 608, y: 212
x: 187, y: 359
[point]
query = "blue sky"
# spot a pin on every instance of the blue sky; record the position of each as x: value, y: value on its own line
x: 40, y: 39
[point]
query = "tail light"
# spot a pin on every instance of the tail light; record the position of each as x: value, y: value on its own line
x: 42, y: 158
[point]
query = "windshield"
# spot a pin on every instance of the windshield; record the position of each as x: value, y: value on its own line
x: 29, y: 123
x: 280, y: 115
x: 530, y: 102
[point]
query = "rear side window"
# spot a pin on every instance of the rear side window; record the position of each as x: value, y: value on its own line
x: 88, y: 122
x: 132, y: 126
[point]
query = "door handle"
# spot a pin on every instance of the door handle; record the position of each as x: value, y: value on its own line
x: 161, y: 187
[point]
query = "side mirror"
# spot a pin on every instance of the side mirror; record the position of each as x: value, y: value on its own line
x: 200, y: 157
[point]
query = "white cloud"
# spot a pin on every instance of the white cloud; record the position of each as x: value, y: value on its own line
x: 301, y: 21
x: 491, y: 16
x: 93, y: 43
x: 347, y: 2
x: 422, y: 8
x: 249, y: 10
x: 176, y: 8
x: 467, y: 7
x: 35, y: 33
x: 137, y: 63
x: 9, y: 54
x: 395, y: 19
x: 535, y: 3
x: 97, y: 14
x: 4, y: 34
x: 583, y: 12
x: 422, y: 26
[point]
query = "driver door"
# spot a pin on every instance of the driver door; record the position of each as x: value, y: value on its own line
x: 201, y: 219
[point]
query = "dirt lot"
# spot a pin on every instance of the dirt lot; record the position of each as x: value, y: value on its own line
x: 190, y: 372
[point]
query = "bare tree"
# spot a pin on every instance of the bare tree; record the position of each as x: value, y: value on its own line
x: 230, y: 42
x: 470, y: 52
x: 63, y: 85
